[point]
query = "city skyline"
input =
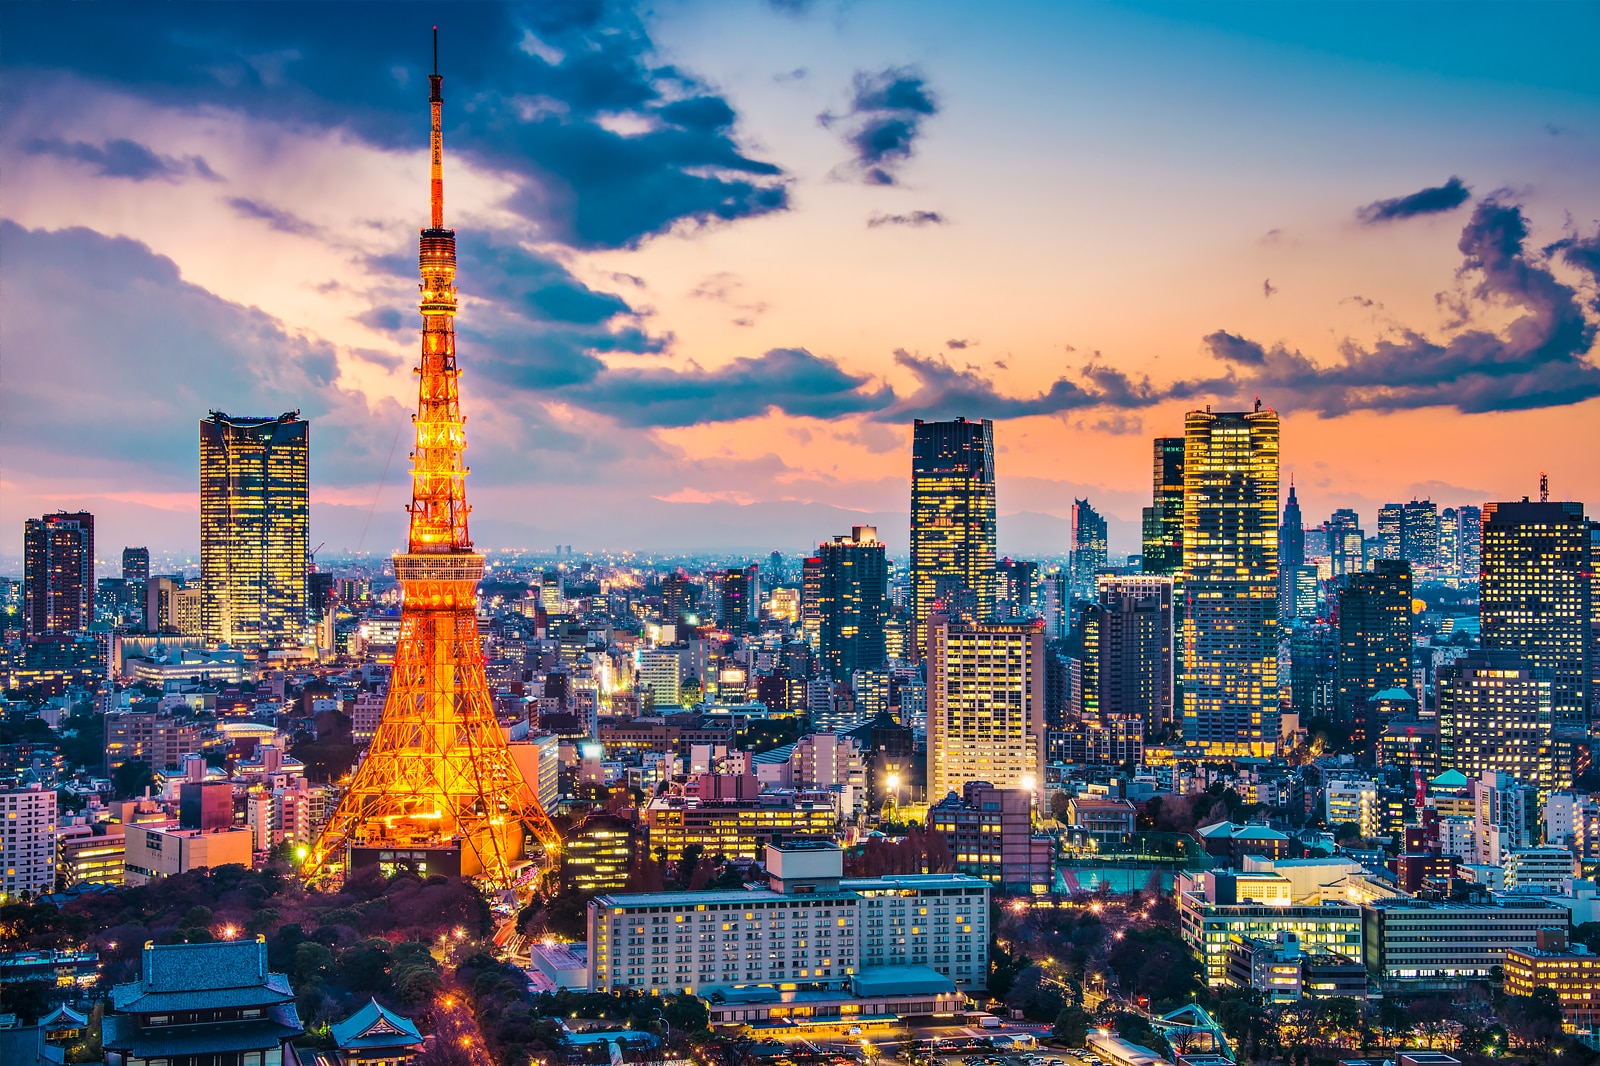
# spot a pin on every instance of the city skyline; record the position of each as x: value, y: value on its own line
x: 611, y: 365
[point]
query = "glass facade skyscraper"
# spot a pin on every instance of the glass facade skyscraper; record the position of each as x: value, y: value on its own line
x: 1230, y: 581
x: 1090, y: 547
x: 58, y: 575
x: 1163, y: 520
x: 255, y: 528
x: 852, y: 602
x: 952, y: 523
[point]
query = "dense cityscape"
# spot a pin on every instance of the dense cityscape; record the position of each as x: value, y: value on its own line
x: 1275, y: 788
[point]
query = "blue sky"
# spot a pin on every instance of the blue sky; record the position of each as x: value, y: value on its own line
x: 717, y: 255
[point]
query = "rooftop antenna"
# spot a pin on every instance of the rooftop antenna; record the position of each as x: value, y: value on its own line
x: 436, y: 51
x: 1544, y: 487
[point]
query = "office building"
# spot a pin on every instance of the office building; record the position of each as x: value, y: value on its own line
x: 985, y: 705
x: 135, y: 564
x: 952, y: 523
x: 57, y: 575
x: 1163, y: 520
x: 90, y: 854
x: 1356, y: 803
x: 1017, y: 589
x: 154, y: 853
x: 1230, y: 582
x: 812, y: 931
x: 852, y: 603
x: 154, y: 737
x: 255, y: 528
x: 741, y: 597
x: 1346, y: 543
x: 660, y: 673
x: 1135, y: 668
x: 1421, y: 943
x: 1495, y: 715
x: 1460, y: 538
x: 598, y: 854
x: 1551, y: 963
x: 1283, y: 973
x: 27, y: 842
x: 989, y: 832
x: 674, y: 598
x: 1374, y: 635
x: 811, y: 602
x: 232, y: 1008
x: 736, y: 826
x: 1391, y: 535
x: 1216, y: 909
x: 1419, y: 534
x: 1090, y: 547
x: 1313, y: 670
x: 1535, y: 597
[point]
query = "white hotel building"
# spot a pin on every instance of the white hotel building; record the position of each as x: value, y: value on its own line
x: 811, y: 931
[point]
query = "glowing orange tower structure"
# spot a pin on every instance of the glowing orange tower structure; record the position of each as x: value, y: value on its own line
x: 438, y: 780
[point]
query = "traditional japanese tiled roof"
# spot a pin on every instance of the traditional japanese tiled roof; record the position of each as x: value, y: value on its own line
x: 121, y: 1032
x: 375, y: 1026
x: 202, y: 976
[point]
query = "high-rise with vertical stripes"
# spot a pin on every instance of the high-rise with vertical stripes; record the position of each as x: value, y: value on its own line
x: 952, y: 523
x: 1230, y: 581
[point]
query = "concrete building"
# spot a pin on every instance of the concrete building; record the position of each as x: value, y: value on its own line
x: 1354, y: 802
x: 985, y: 705
x: 1417, y: 942
x: 1213, y: 909
x: 1538, y: 869
x: 1573, y: 973
x: 1108, y: 821
x: 1495, y: 714
x: 990, y: 832
x: 738, y: 826
x: 27, y: 842
x: 811, y: 931
x: 90, y: 854
x: 156, y: 738
x: 1137, y: 645
x: 154, y: 853
x: 597, y: 855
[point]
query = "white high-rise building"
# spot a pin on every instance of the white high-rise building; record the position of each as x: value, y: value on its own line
x: 985, y: 705
x: 28, y: 843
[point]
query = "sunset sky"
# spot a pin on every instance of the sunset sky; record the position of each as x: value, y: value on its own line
x: 716, y: 256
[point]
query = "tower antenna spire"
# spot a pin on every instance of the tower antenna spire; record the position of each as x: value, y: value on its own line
x: 436, y: 138
x: 436, y: 51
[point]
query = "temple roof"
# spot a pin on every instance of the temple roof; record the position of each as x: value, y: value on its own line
x: 228, y: 973
x: 375, y: 1026
x: 121, y: 1032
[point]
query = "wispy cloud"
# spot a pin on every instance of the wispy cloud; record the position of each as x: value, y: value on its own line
x: 1430, y: 201
x: 884, y: 119
x: 910, y: 218
x: 122, y: 158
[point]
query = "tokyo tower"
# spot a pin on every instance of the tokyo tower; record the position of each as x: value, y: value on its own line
x: 439, y: 791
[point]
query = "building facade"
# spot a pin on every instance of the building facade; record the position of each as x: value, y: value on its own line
x: 1090, y: 547
x: 852, y: 603
x: 27, y: 842
x: 1136, y: 670
x: 985, y: 705
x: 952, y: 523
x: 255, y: 528
x: 57, y: 575
x: 989, y: 831
x: 1163, y: 519
x: 1495, y: 714
x: 1374, y: 635
x: 1230, y: 582
x: 1535, y: 597
x: 1416, y: 941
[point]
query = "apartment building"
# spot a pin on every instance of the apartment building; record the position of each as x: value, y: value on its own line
x: 27, y: 842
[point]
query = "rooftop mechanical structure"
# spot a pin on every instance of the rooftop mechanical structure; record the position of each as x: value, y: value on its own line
x: 438, y: 785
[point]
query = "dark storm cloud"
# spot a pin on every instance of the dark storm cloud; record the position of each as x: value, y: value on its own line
x: 885, y: 117
x: 537, y: 92
x: 275, y: 217
x: 1540, y: 360
x: 160, y: 352
x: 910, y: 218
x: 791, y: 380
x: 1430, y: 201
x: 945, y: 391
x: 121, y: 158
x: 1582, y: 253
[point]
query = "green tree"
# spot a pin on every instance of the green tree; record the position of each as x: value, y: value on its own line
x: 1072, y: 1026
x: 687, y: 1015
x: 312, y: 962
x: 131, y: 777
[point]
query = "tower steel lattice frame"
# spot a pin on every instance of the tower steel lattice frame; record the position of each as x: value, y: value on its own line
x: 438, y: 772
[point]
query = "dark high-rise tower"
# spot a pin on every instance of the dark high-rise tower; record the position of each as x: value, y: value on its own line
x: 741, y: 592
x: 136, y: 564
x: 1090, y: 547
x: 1419, y: 533
x: 255, y: 528
x: 1291, y: 556
x: 1374, y: 635
x: 1136, y: 645
x: 952, y: 523
x: 852, y: 602
x: 58, y: 575
x: 1535, y: 596
x: 1163, y: 520
x: 1230, y: 581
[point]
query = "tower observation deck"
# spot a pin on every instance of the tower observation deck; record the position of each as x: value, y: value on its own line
x: 439, y: 791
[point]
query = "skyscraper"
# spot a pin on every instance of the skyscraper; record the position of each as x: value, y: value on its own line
x: 1163, y: 520
x: 740, y: 595
x: 1535, y: 596
x: 811, y: 601
x: 438, y: 781
x: 852, y: 602
x: 1391, y: 531
x: 1347, y: 553
x: 985, y: 705
x: 1374, y: 635
x: 136, y: 564
x: 1291, y: 556
x: 57, y: 575
x: 1230, y: 581
x: 255, y: 528
x: 1136, y: 644
x: 952, y: 522
x: 1495, y: 714
x: 1089, y: 547
x: 1017, y: 587
x: 1419, y: 534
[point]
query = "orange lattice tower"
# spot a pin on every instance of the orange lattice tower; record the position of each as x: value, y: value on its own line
x: 438, y: 776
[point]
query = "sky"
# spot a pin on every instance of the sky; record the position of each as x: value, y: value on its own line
x: 716, y: 256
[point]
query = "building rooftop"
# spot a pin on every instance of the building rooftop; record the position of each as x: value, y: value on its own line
x: 900, y: 981
x: 374, y: 1026
x: 230, y: 973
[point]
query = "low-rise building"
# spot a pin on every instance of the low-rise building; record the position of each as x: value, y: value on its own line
x: 373, y: 1036
x: 153, y: 853
x: 990, y: 833
x: 1108, y: 821
x: 598, y: 854
x: 1212, y: 915
x: 1424, y: 943
x: 1572, y: 972
x: 90, y: 854
x: 1538, y: 869
x: 737, y: 828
